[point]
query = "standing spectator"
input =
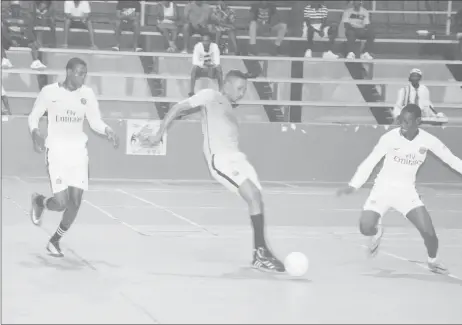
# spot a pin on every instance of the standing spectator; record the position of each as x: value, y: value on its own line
x: 6, y: 106
x: 168, y: 23
x: 358, y: 26
x: 457, y: 27
x: 128, y: 14
x: 197, y: 16
x: 223, y: 18
x: 77, y: 15
x: 264, y: 17
x: 206, y: 62
x: 44, y: 15
x: 418, y: 94
x: 17, y: 30
x: 315, y: 15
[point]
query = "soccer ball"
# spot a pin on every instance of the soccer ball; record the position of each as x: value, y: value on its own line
x: 296, y: 264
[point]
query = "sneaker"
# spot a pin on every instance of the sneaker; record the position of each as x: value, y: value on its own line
x: 366, y: 56
x: 264, y: 260
x: 308, y: 53
x: 329, y: 55
x: 37, y: 65
x: 54, y: 249
x: 351, y: 56
x: 437, y: 267
x: 6, y: 64
x: 36, y: 212
x: 138, y: 49
x: 116, y: 48
x: 185, y: 51
x: 375, y: 241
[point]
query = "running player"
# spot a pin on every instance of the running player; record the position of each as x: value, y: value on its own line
x: 227, y: 164
x: 67, y: 105
x: 405, y: 150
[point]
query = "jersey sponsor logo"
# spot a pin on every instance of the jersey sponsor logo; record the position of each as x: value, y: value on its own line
x: 70, y: 117
x: 409, y: 160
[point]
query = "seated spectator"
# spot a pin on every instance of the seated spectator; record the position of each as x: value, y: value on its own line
x: 197, y: 16
x: 206, y: 62
x: 17, y: 31
x: 315, y: 15
x: 223, y: 19
x: 358, y: 26
x: 6, y: 106
x: 128, y: 15
x: 77, y: 15
x: 418, y: 94
x: 168, y: 23
x: 43, y: 15
x: 457, y: 27
x: 265, y: 18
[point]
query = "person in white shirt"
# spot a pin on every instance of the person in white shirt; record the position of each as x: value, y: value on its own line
x: 358, y: 26
x: 405, y: 150
x: 77, y: 15
x: 206, y: 62
x: 415, y: 93
x: 226, y: 162
x: 67, y: 105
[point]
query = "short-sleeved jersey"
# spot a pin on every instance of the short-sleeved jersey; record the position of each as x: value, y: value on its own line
x: 67, y: 111
x: 219, y: 122
x: 403, y: 159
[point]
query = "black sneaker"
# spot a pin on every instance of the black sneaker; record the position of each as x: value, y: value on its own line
x: 36, y: 212
x: 54, y: 249
x: 264, y: 260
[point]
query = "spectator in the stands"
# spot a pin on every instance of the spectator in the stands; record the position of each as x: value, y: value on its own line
x: 358, y: 26
x: 206, y: 62
x: 265, y: 18
x: 457, y: 27
x: 43, y: 14
x: 6, y: 105
x: 77, y: 15
x: 315, y: 15
x: 167, y: 23
x: 223, y: 19
x: 17, y: 31
x: 197, y: 16
x: 128, y: 15
x: 418, y: 94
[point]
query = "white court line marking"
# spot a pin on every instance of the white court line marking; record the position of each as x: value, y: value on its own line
x: 167, y: 210
x: 108, y: 214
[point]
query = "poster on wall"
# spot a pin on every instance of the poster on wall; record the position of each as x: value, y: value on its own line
x: 135, y: 128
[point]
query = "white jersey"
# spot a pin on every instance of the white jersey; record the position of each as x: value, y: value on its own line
x: 201, y: 57
x: 219, y: 122
x: 66, y: 113
x: 403, y: 159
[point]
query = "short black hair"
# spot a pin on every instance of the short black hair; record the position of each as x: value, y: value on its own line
x: 413, y: 109
x: 236, y: 74
x: 72, y: 63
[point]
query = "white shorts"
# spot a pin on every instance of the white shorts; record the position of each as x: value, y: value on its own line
x: 66, y: 170
x: 401, y: 199
x: 231, y: 170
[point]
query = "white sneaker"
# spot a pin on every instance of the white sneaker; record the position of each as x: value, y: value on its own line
x: 351, y: 56
x: 37, y: 65
x: 184, y: 52
x: 366, y: 56
x: 329, y: 55
x: 308, y: 53
x: 6, y: 64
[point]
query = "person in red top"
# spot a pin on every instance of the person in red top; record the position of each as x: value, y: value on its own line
x: 128, y: 14
x: 264, y: 17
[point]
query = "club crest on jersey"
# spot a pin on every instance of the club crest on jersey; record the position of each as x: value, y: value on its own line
x: 83, y: 101
x: 422, y: 150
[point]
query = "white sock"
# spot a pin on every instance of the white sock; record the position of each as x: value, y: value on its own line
x: 431, y: 260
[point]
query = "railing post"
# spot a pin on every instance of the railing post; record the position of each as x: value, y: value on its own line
x: 449, y: 20
x: 143, y: 12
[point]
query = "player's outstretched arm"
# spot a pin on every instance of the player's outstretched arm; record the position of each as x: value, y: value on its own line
x: 40, y: 107
x: 366, y: 167
x: 443, y: 152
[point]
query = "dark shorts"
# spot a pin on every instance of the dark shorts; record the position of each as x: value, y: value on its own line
x: 78, y: 25
x: 198, y: 31
x: 22, y: 42
x: 207, y: 72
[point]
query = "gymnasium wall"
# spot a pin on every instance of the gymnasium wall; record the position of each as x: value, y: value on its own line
x: 280, y: 152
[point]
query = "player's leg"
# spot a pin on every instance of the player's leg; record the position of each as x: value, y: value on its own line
x: 136, y: 34
x: 195, y: 73
x: 370, y: 221
x: 233, y: 39
x: 118, y: 32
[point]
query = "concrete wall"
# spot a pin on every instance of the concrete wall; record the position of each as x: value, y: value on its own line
x: 327, y: 153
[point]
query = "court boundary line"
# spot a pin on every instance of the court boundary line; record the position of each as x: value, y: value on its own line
x: 160, y: 207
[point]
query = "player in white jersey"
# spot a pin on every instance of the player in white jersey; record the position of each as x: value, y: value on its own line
x: 227, y: 164
x: 405, y: 150
x: 67, y: 105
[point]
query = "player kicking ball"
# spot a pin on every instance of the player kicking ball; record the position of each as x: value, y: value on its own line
x: 405, y: 150
x: 67, y: 104
x: 227, y: 164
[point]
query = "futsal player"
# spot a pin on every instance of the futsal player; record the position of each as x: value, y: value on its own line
x: 227, y: 164
x: 405, y: 150
x: 67, y: 105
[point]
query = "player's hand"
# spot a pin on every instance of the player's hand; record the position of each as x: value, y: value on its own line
x: 345, y: 190
x: 113, y: 137
x: 38, y: 140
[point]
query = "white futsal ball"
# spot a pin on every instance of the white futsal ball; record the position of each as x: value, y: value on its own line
x: 296, y: 264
